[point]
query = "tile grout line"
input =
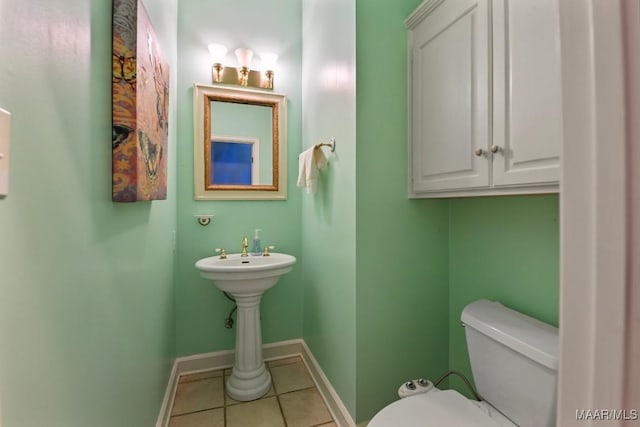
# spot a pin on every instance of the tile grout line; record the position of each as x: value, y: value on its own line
x: 275, y: 390
x: 284, y: 419
x: 195, y: 412
x: 300, y: 389
x: 224, y: 400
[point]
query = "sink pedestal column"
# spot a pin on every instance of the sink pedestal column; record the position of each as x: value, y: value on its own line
x: 249, y: 378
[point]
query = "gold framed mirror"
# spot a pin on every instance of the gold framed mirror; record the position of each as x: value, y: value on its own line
x: 240, y: 150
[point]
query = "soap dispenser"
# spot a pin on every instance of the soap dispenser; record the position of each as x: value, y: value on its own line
x: 256, y: 247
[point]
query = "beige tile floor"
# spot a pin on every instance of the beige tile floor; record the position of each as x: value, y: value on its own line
x: 293, y: 401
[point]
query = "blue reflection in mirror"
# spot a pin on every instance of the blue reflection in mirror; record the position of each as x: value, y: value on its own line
x: 231, y: 163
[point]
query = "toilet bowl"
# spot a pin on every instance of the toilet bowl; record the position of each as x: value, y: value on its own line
x: 514, y: 364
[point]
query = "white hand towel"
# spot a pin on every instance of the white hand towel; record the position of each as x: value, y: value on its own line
x: 309, y: 162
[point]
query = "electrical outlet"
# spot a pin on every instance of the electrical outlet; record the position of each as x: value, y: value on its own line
x: 5, y: 121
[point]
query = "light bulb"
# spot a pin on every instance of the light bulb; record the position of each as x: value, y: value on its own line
x: 244, y: 56
x: 269, y: 61
x: 217, y: 52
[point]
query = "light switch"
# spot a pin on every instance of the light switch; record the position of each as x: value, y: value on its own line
x: 5, y: 121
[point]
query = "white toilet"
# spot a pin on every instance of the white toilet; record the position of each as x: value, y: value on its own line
x: 514, y: 361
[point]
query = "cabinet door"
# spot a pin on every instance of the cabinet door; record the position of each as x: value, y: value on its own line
x: 448, y: 96
x: 527, y: 99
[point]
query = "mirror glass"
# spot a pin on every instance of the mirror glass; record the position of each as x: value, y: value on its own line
x: 240, y: 143
x: 240, y: 149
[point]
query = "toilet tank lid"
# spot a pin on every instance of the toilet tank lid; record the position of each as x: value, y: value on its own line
x: 531, y: 337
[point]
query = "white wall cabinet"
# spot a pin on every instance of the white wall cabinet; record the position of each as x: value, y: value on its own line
x: 485, y: 108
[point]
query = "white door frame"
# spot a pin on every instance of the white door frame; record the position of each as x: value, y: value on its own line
x: 631, y: 13
x: 595, y: 355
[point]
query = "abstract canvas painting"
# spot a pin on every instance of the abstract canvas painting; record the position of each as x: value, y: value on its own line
x: 140, y: 98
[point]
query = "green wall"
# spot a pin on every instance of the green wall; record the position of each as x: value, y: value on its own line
x: 200, y: 307
x: 504, y: 249
x: 329, y: 216
x: 86, y: 306
x: 402, y: 299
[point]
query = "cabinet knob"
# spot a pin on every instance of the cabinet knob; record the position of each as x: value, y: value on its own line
x: 479, y: 152
x: 495, y: 149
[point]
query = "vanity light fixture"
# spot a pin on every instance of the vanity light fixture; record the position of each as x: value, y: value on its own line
x: 243, y: 75
x: 217, y: 52
x: 268, y: 64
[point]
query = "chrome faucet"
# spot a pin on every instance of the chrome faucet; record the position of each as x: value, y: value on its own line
x: 245, y: 245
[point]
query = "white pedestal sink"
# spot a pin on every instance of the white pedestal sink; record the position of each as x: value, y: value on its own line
x: 247, y: 278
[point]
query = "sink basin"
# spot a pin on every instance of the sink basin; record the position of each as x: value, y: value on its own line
x: 245, y: 275
x: 247, y: 278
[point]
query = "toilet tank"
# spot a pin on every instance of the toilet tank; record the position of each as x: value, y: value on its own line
x: 514, y: 361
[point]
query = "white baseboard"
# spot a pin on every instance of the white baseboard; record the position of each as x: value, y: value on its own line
x: 339, y: 412
x: 278, y: 350
x: 167, y: 402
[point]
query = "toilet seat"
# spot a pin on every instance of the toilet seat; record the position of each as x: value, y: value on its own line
x: 436, y: 408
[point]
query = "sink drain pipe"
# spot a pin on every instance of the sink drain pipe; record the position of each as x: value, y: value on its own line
x: 228, y: 322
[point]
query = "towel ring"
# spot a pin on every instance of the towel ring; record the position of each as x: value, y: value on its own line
x: 331, y: 143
